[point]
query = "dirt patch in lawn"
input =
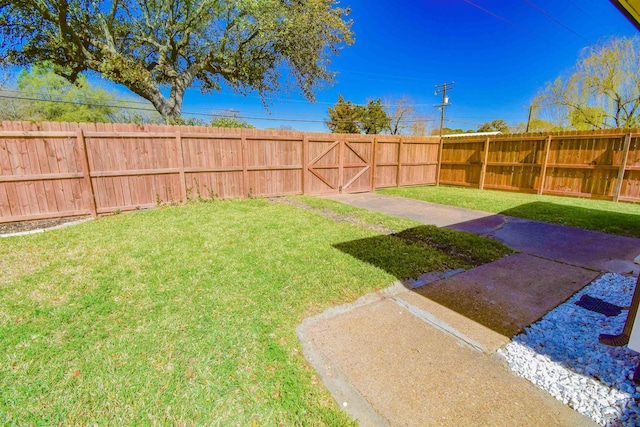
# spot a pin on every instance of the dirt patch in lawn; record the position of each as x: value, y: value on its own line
x: 350, y: 219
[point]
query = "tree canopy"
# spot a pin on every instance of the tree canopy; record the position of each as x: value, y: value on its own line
x: 346, y: 117
x: 38, y: 94
x: 601, y: 91
x: 372, y: 118
x: 343, y: 117
x: 155, y: 47
x: 537, y: 125
x: 79, y: 102
x: 230, y: 119
x: 498, y: 125
x: 45, y: 96
x: 450, y: 131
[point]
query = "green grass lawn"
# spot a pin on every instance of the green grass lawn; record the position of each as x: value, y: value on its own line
x: 186, y: 315
x: 597, y: 215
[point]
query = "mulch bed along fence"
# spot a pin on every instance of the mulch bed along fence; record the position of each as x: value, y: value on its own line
x: 50, y: 170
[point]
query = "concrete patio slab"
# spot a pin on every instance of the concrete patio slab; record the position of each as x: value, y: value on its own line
x: 449, y: 321
x: 401, y: 371
x: 511, y: 293
x: 426, y: 356
x: 584, y: 248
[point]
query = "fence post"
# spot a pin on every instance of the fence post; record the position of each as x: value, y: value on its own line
x: 485, y: 158
x: 305, y: 164
x: 398, y: 173
x: 183, y: 179
x: 545, y: 160
x: 623, y: 167
x: 340, y: 164
x: 245, y: 173
x: 373, y: 163
x: 439, y: 164
x: 87, y: 189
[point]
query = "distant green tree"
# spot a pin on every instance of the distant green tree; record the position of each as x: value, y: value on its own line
x: 343, y: 117
x: 187, y: 121
x: 346, y: 117
x: 498, y: 125
x: 230, y: 122
x: 373, y: 119
x: 55, y: 99
x: 537, y: 125
x: 450, y: 131
x: 52, y: 98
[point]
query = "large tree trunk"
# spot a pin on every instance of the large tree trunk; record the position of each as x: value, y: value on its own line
x: 171, y: 108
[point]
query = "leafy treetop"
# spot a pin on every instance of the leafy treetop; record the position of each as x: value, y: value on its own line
x: 52, y: 98
x: 346, y: 117
x: 498, y: 125
x: 373, y: 119
x: 155, y: 45
x: 343, y: 117
x: 602, y: 90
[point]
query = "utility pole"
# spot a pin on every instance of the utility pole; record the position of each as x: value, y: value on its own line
x: 531, y: 107
x: 443, y: 88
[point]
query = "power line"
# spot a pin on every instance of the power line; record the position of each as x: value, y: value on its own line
x: 588, y: 15
x: 190, y: 113
x: 118, y: 103
x: 36, y: 93
x: 386, y: 76
x: 521, y: 28
x: 495, y: 15
x: 548, y: 15
x: 461, y: 122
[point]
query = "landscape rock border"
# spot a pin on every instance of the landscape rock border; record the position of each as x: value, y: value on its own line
x: 561, y: 355
x: 24, y: 228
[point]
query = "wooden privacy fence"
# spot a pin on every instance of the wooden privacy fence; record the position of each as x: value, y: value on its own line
x: 50, y: 170
x: 594, y: 164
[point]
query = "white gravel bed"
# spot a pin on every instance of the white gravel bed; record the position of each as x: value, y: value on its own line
x: 561, y: 354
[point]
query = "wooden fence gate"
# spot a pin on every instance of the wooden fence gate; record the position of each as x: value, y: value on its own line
x: 337, y: 166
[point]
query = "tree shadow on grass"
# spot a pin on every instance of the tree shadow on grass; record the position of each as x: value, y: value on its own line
x: 399, y: 257
x: 420, y: 256
x: 415, y: 251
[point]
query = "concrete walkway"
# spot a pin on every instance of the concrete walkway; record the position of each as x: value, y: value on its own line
x: 574, y: 246
x: 426, y: 356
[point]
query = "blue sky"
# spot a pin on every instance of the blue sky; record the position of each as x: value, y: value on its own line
x: 499, y: 53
